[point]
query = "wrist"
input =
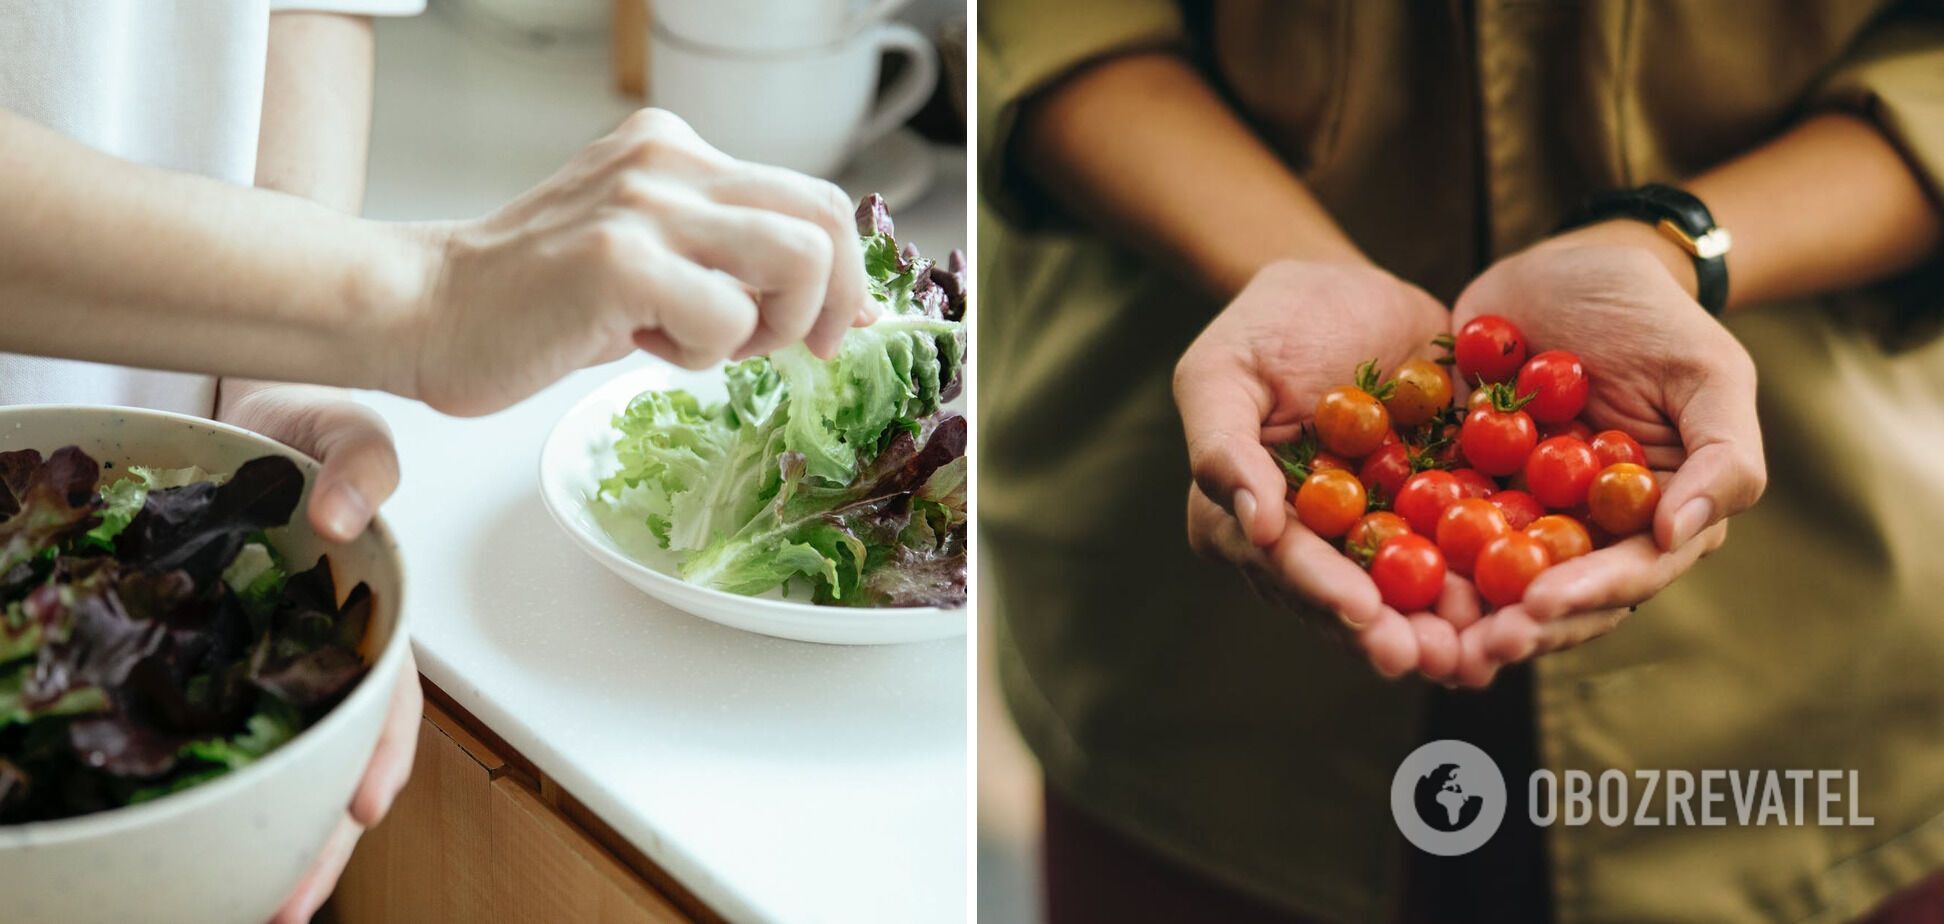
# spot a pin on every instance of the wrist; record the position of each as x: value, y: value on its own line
x: 1638, y: 235
x: 397, y: 299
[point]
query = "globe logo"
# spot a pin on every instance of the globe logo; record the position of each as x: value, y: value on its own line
x: 1448, y: 797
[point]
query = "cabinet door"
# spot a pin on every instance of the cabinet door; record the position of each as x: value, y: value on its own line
x: 469, y: 840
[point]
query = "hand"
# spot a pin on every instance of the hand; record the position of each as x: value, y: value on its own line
x: 1252, y: 377
x: 649, y: 238
x: 1663, y: 371
x: 360, y: 472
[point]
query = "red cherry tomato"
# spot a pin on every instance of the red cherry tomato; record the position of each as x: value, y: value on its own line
x: 1496, y: 441
x: 1520, y: 508
x: 1350, y: 422
x: 1474, y: 482
x: 1330, y: 502
x: 1622, y: 498
x: 1424, y: 498
x: 1556, y: 380
x: 1564, y: 537
x: 1613, y: 446
x: 1465, y: 527
x: 1420, y: 389
x: 1488, y: 347
x: 1559, y: 471
x: 1384, y: 471
x: 1409, y: 572
x: 1363, y: 539
x: 1575, y: 428
x: 1506, y: 565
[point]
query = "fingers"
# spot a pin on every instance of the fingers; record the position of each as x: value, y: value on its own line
x: 1459, y: 603
x: 1724, y: 473
x: 1390, y: 644
x: 846, y: 300
x: 1312, y: 568
x: 1620, y: 575
x: 1437, y: 644
x: 701, y: 315
x: 391, y: 761
x: 1221, y: 411
x: 360, y: 469
x: 317, y: 884
x: 785, y: 261
x: 1476, y: 667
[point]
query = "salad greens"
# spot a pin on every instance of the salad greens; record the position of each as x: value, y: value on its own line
x: 152, y: 638
x: 843, y: 473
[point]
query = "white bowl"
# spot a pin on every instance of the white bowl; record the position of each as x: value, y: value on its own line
x: 229, y: 850
x: 580, y: 452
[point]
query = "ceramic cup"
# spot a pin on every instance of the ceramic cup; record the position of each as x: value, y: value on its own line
x: 808, y: 108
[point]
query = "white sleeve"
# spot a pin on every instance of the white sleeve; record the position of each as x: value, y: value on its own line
x: 356, y: 7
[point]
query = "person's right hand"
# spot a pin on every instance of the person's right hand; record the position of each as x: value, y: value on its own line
x: 1252, y: 378
x: 650, y: 239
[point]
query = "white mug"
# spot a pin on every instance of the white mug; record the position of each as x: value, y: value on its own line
x: 768, y: 25
x: 809, y: 109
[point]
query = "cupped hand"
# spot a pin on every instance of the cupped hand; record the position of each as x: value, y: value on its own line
x: 1662, y: 370
x: 649, y: 238
x: 1252, y: 378
x: 360, y: 471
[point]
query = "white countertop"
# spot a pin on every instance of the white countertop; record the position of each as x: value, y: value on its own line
x: 778, y: 781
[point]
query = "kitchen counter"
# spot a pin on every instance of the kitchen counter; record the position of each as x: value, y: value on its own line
x: 776, y: 780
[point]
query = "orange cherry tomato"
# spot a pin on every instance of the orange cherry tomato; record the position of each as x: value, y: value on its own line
x: 1330, y: 502
x: 1371, y: 531
x: 1467, y: 526
x: 1350, y: 422
x: 1622, y: 498
x: 1506, y: 565
x: 1564, y: 537
x: 1420, y: 389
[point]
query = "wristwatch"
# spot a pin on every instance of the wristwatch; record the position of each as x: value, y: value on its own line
x: 1678, y: 216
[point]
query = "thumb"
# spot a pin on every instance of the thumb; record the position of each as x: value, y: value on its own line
x: 360, y: 470
x: 1221, y: 413
x: 1724, y: 472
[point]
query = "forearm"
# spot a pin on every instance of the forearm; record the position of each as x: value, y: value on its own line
x: 1827, y: 205
x: 1143, y: 146
x: 316, y: 128
x: 115, y: 262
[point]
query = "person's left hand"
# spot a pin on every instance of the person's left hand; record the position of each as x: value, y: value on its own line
x: 360, y: 472
x: 1665, y: 372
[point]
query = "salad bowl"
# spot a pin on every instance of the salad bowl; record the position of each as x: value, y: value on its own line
x: 580, y: 452
x: 228, y: 850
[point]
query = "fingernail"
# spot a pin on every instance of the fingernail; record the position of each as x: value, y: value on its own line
x: 1245, y: 511
x: 345, y: 511
x: 1691, y: 519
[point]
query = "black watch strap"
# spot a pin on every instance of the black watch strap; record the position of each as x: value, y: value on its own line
x: 1680, y: 217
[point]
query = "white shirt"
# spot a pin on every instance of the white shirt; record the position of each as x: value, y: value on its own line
x: 176, y: 84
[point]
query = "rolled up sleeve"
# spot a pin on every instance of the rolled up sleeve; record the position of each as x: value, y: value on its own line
x: 1895, y: 78
x: 1028, y: 45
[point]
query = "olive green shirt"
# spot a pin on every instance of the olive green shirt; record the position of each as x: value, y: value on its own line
x: 1163, y: 696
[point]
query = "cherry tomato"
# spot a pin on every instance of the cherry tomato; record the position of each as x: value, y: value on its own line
x: 1362, y: 540
x: 1575, y: 428
x: 1465, y: 527
x: 1384, y: 471
x: 1564, y: 537
x: 1506, y: 565
x: 1622, y: 498
x: 1556, y: 380
x: 1559, y: 470
x: 1488, y: 347
x: 1409, y: 572
x: 1421, y: 388
x: 1350, y: 422
x: 1613, y: 446
x: 1520, y: 508
x: 1475, y: 483
x: 1479, y: 397
x: 1498, y: 437
x: 1330, y: 502
x: 1424, y: 498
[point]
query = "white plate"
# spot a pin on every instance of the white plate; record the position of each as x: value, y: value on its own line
x: 580, y: 452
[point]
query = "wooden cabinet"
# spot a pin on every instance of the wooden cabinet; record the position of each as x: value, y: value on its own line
x: 479, y: 836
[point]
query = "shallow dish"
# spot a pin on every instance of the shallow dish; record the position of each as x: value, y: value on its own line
x: 231, y: 849
x: 580, y: 452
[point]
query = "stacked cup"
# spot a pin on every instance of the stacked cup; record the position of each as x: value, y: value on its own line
x: 787, y: 82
